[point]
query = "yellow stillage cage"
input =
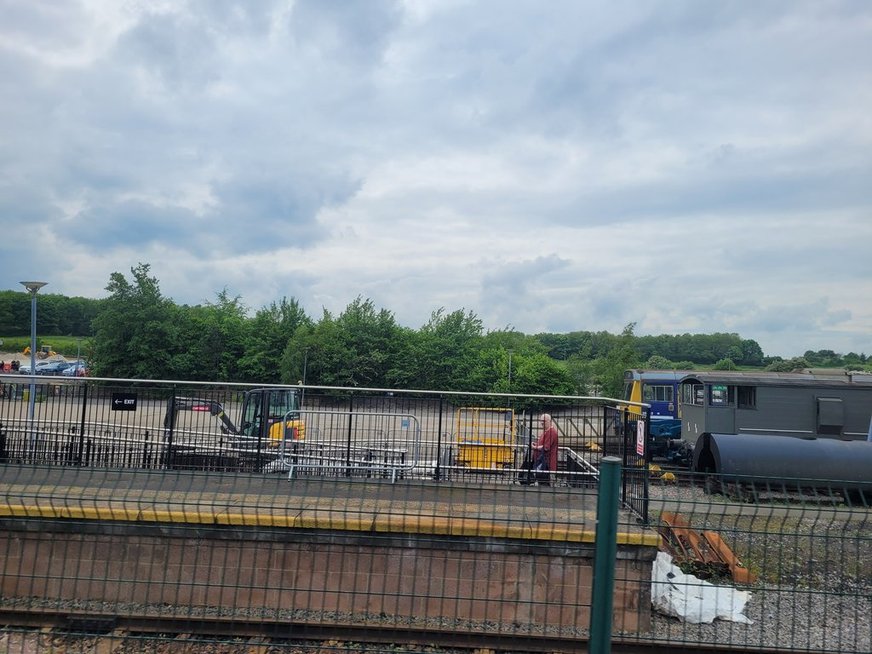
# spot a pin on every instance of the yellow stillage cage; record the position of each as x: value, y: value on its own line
x: 486, y: 438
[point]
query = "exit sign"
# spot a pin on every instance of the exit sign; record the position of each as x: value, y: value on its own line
x: 124, y: 401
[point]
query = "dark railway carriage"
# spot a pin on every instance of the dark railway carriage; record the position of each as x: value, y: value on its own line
x: 800, y: 404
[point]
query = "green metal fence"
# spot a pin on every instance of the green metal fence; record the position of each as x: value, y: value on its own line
x: 744, y: 563
x: 789, y: 561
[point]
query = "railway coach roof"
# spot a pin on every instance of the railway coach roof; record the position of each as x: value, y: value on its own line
x: 839, y: 380
x: 656, y: 375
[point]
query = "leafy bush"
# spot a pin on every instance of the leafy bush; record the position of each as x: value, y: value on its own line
x: 658, y: 362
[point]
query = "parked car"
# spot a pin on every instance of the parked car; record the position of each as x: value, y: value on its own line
x: 52, y: 368
x: 75, y: 369
x: 24, y: 368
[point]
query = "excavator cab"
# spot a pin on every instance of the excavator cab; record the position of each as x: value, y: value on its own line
x: 279, y: 408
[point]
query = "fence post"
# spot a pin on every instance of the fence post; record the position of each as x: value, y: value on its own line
x: 602, y: 596
x: 168, y: 436
x: 348, y: 470
x: 439, y: 442
x: 81, y: 448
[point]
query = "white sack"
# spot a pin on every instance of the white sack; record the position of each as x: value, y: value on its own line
x: 691, y: 599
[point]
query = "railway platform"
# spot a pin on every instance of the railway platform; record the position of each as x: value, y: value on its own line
x: 468, y: 556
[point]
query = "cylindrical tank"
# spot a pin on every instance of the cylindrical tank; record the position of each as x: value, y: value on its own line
x: 777, y: 457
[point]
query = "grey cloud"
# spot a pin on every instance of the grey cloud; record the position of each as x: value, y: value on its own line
x: 232, y: 17
x: 181, y: 52
x: 515, y: 292
x: 354, y: 31
x: 284, y: 209
x: 128, y: 224
x: 251, y: 217
x: 517, y: 278
x: 728, y: 193
x: 44, y: 25
x: 804, y: 317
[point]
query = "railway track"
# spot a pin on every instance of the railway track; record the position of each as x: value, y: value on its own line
x: 101, y: 633
x: 779, y: 492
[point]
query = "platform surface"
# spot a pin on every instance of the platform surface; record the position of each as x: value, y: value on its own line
x: 498, y: 510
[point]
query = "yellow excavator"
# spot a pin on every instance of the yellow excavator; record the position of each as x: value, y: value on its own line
x: 45, y: 352
x: 270, y: 417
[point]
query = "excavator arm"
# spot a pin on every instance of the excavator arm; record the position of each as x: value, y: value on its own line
x: 176, y: 404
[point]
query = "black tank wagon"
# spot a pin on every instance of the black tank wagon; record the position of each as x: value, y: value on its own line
x: 773, y: 461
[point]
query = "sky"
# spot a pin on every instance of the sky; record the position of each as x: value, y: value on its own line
x: 690, y: 167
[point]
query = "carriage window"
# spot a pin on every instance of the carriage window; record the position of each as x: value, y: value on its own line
x: 721, y: 395
x: 692, y: 394
x: 747, y: 397
x: 657, y: 393
x: 830, y: 416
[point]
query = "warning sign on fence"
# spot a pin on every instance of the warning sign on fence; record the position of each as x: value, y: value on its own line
x: 640, y: 437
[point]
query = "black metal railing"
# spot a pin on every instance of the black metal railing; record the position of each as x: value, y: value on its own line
x: 441, y: 436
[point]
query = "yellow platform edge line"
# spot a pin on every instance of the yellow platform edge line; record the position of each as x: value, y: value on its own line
x: 441, y: 526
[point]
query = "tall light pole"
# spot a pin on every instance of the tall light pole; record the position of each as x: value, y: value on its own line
x: 32, y: 288
x: 305, y: 365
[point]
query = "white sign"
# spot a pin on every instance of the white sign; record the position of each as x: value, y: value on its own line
x: 640, y: 438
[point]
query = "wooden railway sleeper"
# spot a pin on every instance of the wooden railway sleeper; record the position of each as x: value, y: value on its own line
x: 705, y: 553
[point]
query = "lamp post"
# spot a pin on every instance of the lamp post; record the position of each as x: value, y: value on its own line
x: 305, y: 365
x: 32, y: 288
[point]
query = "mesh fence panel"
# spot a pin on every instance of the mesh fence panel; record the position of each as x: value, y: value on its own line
x: 382, y: 509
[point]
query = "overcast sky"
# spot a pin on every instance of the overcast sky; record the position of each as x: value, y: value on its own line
x: 692, y: 167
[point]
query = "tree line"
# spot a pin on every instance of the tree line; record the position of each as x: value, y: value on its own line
x: 137, y: 332
x: 56, y: 314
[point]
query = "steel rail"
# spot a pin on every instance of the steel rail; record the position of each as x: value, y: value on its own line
x: 73, y: 622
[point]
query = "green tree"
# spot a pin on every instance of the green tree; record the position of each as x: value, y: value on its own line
x: 752, y: 353
x: 583, y: 374
x: 789, y: 365
x: 56, y: 314
x: 658, y: 362
x: 507, y: 360
x: 724, y: 364
x: 734, y: 353
x: 355, y: 349
x: 135, y: 333
x: 537, y: 373
x: 215, y: 334
x: 317, y: 354
x: 609, y: 370
x: 268, y: 335
x: 446, y: 352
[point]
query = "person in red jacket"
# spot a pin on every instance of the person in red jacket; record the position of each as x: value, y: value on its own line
x: 545, y: 451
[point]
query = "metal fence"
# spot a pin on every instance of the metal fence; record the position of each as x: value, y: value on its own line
x: 342, y: 529
x: 342, y: 432
x: 788, y: 563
